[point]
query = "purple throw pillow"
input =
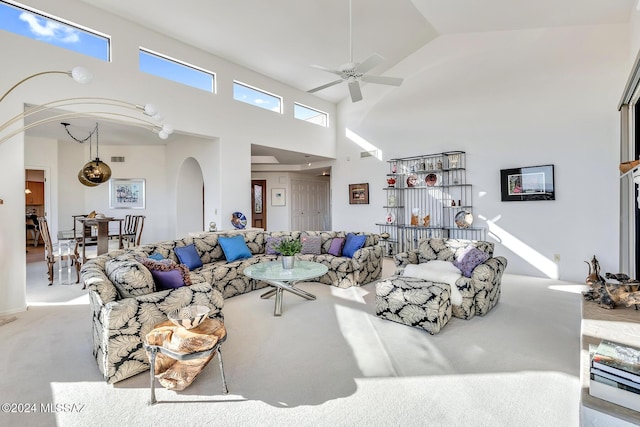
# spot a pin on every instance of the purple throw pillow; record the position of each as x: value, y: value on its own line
x: 170, y: 279
x: 271, y: 243
x: 469, y: 259
x: 336, y: 246
x: 311, y: 245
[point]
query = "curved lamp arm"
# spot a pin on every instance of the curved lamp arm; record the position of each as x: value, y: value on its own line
x: 79, y: 74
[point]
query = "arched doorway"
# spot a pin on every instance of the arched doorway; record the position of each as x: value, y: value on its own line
x: 189, y: 198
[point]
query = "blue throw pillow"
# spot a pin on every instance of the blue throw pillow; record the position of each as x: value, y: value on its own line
x: 352, y: 244
x: 156, y: 256
x: 188, y: 255
x: 234, y: 248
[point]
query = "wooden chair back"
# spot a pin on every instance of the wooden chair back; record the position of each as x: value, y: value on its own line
x: 132, y: 229
x: 49, y: 255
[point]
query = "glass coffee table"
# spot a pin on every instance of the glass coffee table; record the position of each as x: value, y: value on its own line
x: 285, y: 279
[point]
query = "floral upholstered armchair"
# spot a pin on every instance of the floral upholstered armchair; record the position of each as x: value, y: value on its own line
x: 480, y: 290
x: 125, y: 308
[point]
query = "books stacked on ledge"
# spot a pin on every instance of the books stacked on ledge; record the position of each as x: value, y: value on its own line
x: 615, y: 374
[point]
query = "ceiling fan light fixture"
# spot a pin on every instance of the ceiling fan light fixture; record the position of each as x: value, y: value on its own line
x: 353, y: 72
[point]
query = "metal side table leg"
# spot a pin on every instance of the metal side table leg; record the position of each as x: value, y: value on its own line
x: 278, y: 309
x: 153, y: 350
x: 225, y: 390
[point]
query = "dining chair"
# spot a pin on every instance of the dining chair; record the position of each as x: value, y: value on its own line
x: 54, y: 252
x: 132, y: 229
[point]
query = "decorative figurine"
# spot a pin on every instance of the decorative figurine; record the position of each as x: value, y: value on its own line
x: 426, y: 220
x: 391, y: 182
x: 213, y: 226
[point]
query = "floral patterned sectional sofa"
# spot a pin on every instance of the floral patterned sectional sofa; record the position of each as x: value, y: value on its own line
x: 126, y: 302
x: 427, y: 302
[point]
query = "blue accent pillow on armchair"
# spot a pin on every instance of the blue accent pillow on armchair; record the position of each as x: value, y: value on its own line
x: 188, y: 255
x: 234, y: 248
x: 352, y: 244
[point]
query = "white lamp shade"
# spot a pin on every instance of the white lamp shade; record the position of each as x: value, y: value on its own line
x: 81, y: 75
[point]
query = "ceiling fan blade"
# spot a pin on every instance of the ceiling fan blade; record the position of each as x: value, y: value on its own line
x: 333, y: 83
x: 354, y: 90
x: 328, y: 70
x: 382, y: 80
x: 369, y: 63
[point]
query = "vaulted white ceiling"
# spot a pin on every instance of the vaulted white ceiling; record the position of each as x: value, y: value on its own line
x: 283, y: 38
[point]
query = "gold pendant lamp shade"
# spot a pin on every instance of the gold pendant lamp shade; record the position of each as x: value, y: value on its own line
x: 96, y: 171
x: 85, y: 181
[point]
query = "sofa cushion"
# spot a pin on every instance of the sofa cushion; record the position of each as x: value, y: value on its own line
x: 469, y: 259
x: 130, y: 277
x: 311, y: 245
x: 272, y: 242
x: 439, y: 272
x: 234, y: 248
x: 336, y: 246
x: 156, y: 256
x: 352, y: 244
x: 188, y: 255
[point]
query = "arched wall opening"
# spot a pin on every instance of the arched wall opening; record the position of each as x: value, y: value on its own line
x: 190, y: 198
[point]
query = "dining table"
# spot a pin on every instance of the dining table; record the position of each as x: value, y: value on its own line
x: 102, y: 225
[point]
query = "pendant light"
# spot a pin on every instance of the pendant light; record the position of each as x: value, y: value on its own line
x: 96, y: 171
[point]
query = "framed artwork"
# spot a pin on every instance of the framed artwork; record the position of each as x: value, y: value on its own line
x: 359, y: 194
x: 527, y: 183
x: 126, y: 193
x: 278, y: 197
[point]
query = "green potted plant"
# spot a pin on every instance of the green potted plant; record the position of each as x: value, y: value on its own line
x: 288, y: 248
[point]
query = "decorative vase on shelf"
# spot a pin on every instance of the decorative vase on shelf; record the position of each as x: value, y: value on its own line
x: 394, y: 168
x: 391, y: 200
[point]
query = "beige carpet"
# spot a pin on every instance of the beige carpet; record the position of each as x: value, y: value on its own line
x: 328, y: 362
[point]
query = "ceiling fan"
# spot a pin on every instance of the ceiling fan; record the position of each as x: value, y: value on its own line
x: 354, y: 73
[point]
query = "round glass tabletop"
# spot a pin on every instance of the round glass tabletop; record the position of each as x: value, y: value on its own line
x: 273, y: 271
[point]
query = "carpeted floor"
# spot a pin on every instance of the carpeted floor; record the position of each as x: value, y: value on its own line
x: 328, y: 362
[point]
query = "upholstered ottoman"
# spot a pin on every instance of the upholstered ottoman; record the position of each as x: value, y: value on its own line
x: 414, y: 302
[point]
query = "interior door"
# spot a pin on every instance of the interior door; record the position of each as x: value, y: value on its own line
x: 310, y: 205
x: 258, y: 203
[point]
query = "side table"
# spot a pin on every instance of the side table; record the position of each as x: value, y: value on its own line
x: 177, y: 355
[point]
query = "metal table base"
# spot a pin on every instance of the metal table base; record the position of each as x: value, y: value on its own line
x: 155, y: 349
x: 278, y: 288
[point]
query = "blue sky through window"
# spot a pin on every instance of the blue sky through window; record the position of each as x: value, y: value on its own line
x: 244, y: 93
x: 48, y: 30
x: 173, y: 70
x: 309, y: 114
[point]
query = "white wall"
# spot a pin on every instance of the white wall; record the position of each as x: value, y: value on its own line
x: 509, y: 99
x: 233, y: 126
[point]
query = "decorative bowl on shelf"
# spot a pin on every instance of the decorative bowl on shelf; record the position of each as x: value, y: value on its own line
x: 189, y: 317
x: 391, y: 218
x: 412, y: 181
x: 391, y: 182
x: 464, y: 219
x: 431, y: 179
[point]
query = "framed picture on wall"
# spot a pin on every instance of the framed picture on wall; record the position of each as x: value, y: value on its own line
x: 278, y: 197
x: 126, y: 193
x: 527, y: 183
x: 359, y: 194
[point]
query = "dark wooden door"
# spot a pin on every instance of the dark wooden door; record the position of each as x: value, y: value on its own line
x: 259, y: 204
